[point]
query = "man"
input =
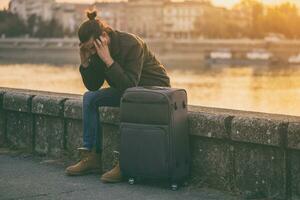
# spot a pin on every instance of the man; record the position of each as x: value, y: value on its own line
x: 123, y: 60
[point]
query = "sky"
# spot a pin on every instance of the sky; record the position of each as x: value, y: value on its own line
x: 226, y: 3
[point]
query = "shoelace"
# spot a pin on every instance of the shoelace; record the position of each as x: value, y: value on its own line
x: 83, y: 157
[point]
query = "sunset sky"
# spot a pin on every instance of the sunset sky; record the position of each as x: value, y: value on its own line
x: 227, y: 3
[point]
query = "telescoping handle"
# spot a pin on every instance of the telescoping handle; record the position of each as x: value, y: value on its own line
x: 183, y: 105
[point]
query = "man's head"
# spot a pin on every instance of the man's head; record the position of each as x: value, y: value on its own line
x: 92, y: 29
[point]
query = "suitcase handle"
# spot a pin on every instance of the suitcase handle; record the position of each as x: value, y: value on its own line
x: 183, y: 104
x: 156, y: 87
x: 175, y: 105
x: 141, y: 102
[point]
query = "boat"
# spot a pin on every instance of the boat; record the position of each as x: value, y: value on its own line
x: 259, y: 54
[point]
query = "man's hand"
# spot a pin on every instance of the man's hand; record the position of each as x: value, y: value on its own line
x: 84, y: 55
x: 101, y: 45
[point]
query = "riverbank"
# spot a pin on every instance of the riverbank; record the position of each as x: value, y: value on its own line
x: 172, y: 53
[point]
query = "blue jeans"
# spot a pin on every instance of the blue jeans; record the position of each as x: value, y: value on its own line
x: 92, y: 100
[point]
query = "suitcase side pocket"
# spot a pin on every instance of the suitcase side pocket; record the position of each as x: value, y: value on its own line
x: 144, y: 150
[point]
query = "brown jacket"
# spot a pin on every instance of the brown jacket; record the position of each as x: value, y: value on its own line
x: 134, y: 65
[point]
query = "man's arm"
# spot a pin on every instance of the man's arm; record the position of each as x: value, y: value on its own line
x: 129, y: 74
x: 93, y: 74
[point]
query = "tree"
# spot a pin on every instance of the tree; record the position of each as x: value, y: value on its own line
x: 11, y: 25
x: 49, y: 29
x: 44, y: 29
x: 32, y: 25
x: 283, y: 19
x: 253, y: 11
x: 217, y: 23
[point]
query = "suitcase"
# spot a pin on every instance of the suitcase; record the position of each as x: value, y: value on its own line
x: 154, y: 134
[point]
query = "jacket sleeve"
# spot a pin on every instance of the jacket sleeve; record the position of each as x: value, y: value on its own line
x: 93, y: 75
x: 127, y: 75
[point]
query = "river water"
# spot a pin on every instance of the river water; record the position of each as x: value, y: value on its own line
x: 262, y: 89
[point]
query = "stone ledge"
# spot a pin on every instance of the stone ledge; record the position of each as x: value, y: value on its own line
x: 17, y: 101
x: 215, y: 123
x: 2, y: 121
x: 1, y: 98
x: 256, y: 130
x: 40, y: 92
x: 209, y: 125
x: 242, y: 113
x: 73, y: 109
x: 48, y: 105
x: 49, y: 135
x: 204, y: 121
x: 293, y: 135
x: 110, y: 115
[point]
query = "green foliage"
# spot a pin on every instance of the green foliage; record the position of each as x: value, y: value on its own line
x: 11, y: 25
x: 48, y: 29
x: 255, y: 20
x: 44, y: 29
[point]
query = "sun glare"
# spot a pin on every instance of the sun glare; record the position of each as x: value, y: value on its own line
x: 226, y: 3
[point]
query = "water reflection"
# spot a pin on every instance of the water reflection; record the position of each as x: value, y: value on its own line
x: 263, y: 89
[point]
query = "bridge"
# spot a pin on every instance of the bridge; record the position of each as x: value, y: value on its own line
x: 173, y: 51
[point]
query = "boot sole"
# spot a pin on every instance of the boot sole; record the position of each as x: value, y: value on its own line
x: 105, y: 180
x: 92, y: 171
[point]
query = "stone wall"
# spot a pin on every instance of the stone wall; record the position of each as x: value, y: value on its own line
x: 253, y: 154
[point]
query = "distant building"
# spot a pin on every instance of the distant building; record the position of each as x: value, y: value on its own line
x: 238, y: 17
x: 113, y: 13
x: 179, y: 17
x: 145, y: 17
x: 70, y: 15
x: 142, y: 17
x: 25, y: 8
x: 80, y: 12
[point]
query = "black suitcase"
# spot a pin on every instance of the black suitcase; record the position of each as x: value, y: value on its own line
x: 154, y: 134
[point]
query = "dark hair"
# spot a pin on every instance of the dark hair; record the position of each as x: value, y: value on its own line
x: 93, y: 27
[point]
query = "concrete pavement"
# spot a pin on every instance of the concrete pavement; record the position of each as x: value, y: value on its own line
x: 30, y: 177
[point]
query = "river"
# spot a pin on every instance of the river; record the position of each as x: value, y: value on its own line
x: 261, y: 88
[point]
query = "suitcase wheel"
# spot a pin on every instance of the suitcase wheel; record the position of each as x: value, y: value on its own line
x: 131, y: 181
x: 174, y: 187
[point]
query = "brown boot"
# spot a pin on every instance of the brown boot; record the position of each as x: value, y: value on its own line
x: 90, y: 163
x: 112, y: 176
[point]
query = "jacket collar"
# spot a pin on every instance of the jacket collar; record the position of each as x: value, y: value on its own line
x: 114, y: 43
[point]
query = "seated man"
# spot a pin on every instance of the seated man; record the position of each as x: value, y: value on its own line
x: 123, y: 60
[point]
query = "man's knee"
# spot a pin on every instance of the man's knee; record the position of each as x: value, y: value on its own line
x: 91, y: 97
x: 88, y: 97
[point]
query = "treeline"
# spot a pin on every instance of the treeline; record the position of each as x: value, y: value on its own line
x: 251, y: 19
x: 247, y: 19
x: 12, y: 26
